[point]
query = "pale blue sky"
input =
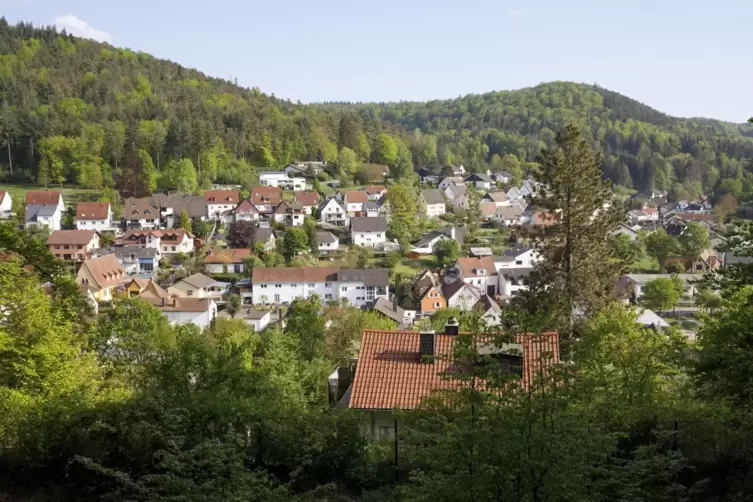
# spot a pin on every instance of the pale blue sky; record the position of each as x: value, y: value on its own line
x: 686, y: 58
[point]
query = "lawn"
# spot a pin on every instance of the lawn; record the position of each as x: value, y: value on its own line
x: 70, y: 195
x: 412, y: 267
x: 645, y: 265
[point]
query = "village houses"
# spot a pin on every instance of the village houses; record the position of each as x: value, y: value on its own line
x: 44, y: 209
x: 368, y: 232
x: 76, y: 245
x: 94, y: 216
x: 220, y: 201
x: 431, y: 203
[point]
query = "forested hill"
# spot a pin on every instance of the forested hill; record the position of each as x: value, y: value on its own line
x: 81, y: 112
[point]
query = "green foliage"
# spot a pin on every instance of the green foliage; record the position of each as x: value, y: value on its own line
x: 294, y: 241
x: 182, y: 176
x: 660, y: 295
x: 385, y: 150
x: 447, y: 252
x: 200, y: 228
x: 402, y: 200
x: 233, y: 305
x: 184, y: 221
x: 660, y: 245
x: 694, y: 240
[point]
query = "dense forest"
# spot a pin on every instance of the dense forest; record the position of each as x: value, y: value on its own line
x: 80, y: 112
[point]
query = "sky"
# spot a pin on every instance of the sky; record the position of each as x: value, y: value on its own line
x: 688, y: 58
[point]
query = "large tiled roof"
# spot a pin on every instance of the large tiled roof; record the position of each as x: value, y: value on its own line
x: 199, y: 280
x: 355, y: 196
x: 295, y: 274
x: 43, y: 197
x: 92, y: 210
x: 432, y: 196
x: 266, y: 195
x: 167, y: 235
x: 369, y: 224
x: 137, y: 209
x: 487, y: 208
x: 469, y: 266
x: 181, y: 304
x: 33, y: 211
x: 497, y: 196
x: 307, y: 198
x: 218, y: 255
x: 193, y: 205
x: 75, y: 237
x: 369, y: 276
x: 323, y: 236
x: 221, y: 196
x: 391, y: 375
x: 105, y: 270
x: 246, y: 207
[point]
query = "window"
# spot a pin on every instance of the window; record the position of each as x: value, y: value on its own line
x: 147, y: 267
x: 277, y: 298
x: 433, y: 294
x: 66, y: 247
x: 189, y: 292
x: 327, y: 284
x: 386, y: 432
x: 312, y: 285
x: 328, y: 296
x: 278, y: 285
x: 172, y: 248
x: 437, y: 305
x: 57, y: 247
x: 344, y: 289
x: 370, y: 293
x: 359, y: 287
x: 379, y: 235
x: 359, y: 298
x: 264, y: 286
x: 293, y: 285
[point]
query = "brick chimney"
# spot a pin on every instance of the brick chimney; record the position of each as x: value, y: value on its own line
x: 452, y: 327
x: 426, y: 343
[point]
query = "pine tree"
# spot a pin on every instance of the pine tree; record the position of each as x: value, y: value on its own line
x: 578, y: 267
x: 184, y: 221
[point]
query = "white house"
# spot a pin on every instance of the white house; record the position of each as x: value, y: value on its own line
x: 266, y: 198
x: 94, y: 216
x: 375, y: 192
x: 290, y: 213
x: 460, y: 295
x: 141, y: 213
x: 479, y: 180
x: 198, y: 311
x: 510, y: 216
x: 283, y: 180
x: 632, y: 284
x: 450, y: 181
x: 520, y: 257
x: 167, y: 241
x: 431, y: 202
x: 246, y: 211
x: 371, y: 208
x: 478, y: 272
x: 353, y: 201
x: 623, y: 229
x: 501, y: 176
x: 281, y: 286
x: 368, y: 232
x: 500, y: 199
x: 44, y: 209
x: 226, y: 261
x: 199, y: 286
x: 259, y: 319
x: 6, y: 204
x: 327, y: 242
x: 220, y: 201
x: 333, y: 213
x: 425, y: 245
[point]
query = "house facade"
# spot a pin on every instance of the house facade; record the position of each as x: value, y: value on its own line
x: 266, y: 198
x: 480, y: 181
x: 198, y: 311
x: 102, y: 275
x: 245, y: 211
x: 42, y: 214
x: 94, y: 216
x: 331, y: 212
x: 199, y: 286
x: 226, y: 261
x: 167, y: 241
x: 431, y: 203
x: 6, y: 205
x: 76, y: 245
x: 141, y: 213
x: 281, y: 286
x: 142, y: 261
x: 353, y: 201
x: 368, y: 232
x: 478, y: 272
x: 290, y: 213
x: 282, y: 179
x: 327, y: 242
x: 220, y: 201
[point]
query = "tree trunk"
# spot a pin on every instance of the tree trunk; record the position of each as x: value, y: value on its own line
x: 10, y: 159
x: 31, y: 157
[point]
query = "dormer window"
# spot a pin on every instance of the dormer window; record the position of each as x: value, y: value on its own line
x: 480, y: 271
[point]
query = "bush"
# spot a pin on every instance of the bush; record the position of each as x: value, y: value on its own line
x: 675, y: 268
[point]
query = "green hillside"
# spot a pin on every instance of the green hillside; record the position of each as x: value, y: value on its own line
x: 80, y: 112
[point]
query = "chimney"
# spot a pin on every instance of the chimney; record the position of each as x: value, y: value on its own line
x: 452, y: 327
x: 426, y: 343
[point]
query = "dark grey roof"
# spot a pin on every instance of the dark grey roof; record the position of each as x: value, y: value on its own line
x: 325, y: 237
x: 460, y: 233
x: 256, y: 314
x: 369, y: 276
x: 385, y: 307
x: 514, y: 273
x: 35, y: 210
x: 126, y: 252
x: 263, y: 235
x: 516, y: 250
x: 366, y: 224
x: 432, y: 196
x: 370, y: 204
x: 450, y: 290
x: 194, y: 205
x: 478, y: 177
x: 489, y: 304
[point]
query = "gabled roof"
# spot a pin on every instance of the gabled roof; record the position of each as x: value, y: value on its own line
x: 369, y: 276
x: 138, y: 209
x: 497, y: 196
x: 105, y: 270
x: 74, y: 237
x: 432, y: 196
x: 307, y: 198
x: 92, y: 210
x: 322, y: 236
x: 43, y: 197
x: 508, y: 212
x: 469, y: 266
x: 181, y: 304
x: 34, y: 211
x: 167, y: 235
x: 386, y: 308
x: 149, y: 289
x: 194, y: 205
x: 478, y: 177
x: 513, y: 252
x: 262, y: 235
x: 355, y: 196
x: 136, y: 252
x: 221, y: 196
x: 368, y: 224
x: 289, y: 207
x: 374, y: 189
x: 391, y: 374
x: 327, y: 202
x: 220, y: 255
x: 246, y: 207
x: 266, y: 195
x: 295, y: 274
x: 199, y: 281
x: 453, y: 288
x: 487, y: 209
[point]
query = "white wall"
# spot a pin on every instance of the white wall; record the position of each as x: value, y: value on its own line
x: 357, y: 294
x: 328, y: 247
x: 369, y: 239
x: 98, y: 225
x: 216, y: 268
x: 288, y: 292
x: 525, y: 260
x: 214, y: 210
x: 184, y: 247
x: 260, y: 324
x: 433, y: 210
x: 201, y: 319
x: 463, y: 300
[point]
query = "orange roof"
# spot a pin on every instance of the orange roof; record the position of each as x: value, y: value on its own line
x: 308, y: 198
x: 375, y: 189
x: 218, y: 255
x: 266, y: 195
x: 245, y: 207
x: 43, y: 197
x: 696, y: 216
x: 181, y: 304
x: 92, y: 210
x: 295, y: 274
x: 149, y: 289
x: 355, y: 196
x: 390, y: 373
x: 2, y: 194
x: 221, y: 196
x: 105, y: 270
x: 487, y: 208
x: 77, y: 237
x: 168, y: 235
x: 649, y: 210
x: 469, y: 266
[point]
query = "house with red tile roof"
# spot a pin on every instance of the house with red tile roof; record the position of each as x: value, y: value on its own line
x: 398, y: 370
x: 94, y: 216
x: 266, y: 198
x: 309, y: 200
x: 478, y: 272
x: 220, y: 201
x: 167, y: 241
x: 102, y: 275
x: 76, y: 245
x: 375, y: 192
x: 353, y: 200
